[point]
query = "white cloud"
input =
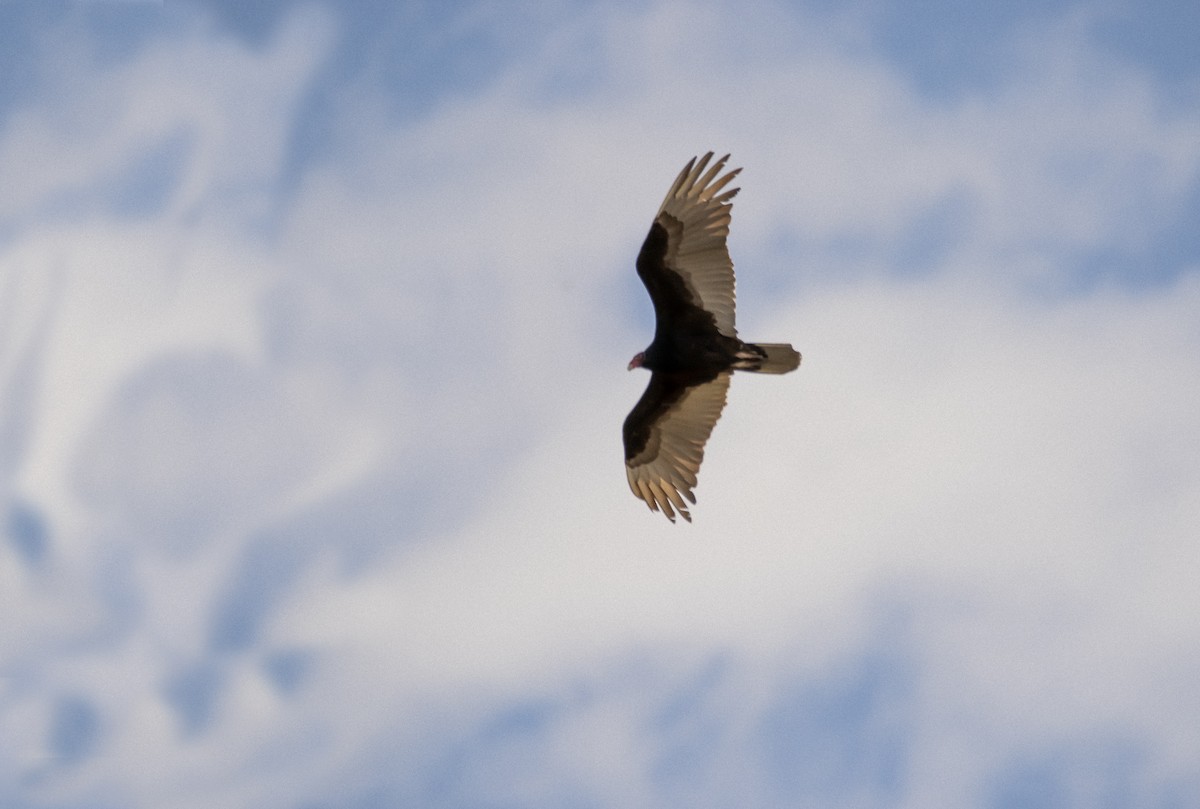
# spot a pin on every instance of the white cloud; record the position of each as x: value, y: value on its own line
x: 231, y: 104
x: 995, y: 489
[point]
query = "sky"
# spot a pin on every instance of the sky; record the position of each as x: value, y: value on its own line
x: 314, y: 321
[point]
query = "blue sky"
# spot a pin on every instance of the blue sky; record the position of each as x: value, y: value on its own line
x: 313, y: 330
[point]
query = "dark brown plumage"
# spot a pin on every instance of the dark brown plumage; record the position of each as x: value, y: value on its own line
x: 686, y: 268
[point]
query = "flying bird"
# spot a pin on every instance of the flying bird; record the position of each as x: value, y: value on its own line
x: 686, y: 268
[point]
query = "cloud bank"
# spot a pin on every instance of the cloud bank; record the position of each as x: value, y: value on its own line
x: 310, y: 395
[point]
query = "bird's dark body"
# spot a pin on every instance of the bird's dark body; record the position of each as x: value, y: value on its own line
x: 688, y: 348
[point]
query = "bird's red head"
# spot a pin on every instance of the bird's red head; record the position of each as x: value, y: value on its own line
x: 639, y: 359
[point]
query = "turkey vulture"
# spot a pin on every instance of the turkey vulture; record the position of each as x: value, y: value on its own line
x: 686, y: 268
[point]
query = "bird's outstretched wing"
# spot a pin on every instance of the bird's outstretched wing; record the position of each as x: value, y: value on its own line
x: 665, y: 435
x: 684, y: 261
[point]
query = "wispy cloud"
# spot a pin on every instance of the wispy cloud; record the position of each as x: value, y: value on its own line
x: 309, y: 409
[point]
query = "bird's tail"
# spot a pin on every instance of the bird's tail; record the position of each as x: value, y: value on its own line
x: 767, y: 358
